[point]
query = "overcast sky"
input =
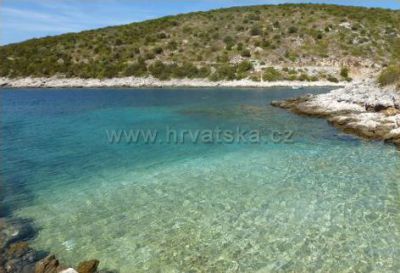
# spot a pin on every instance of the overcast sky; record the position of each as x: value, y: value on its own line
x: 25, y: 19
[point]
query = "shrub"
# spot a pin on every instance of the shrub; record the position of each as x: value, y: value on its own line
x: 291, y: 56
x: 225, y: 72
x: 157, y: 50
x: 253, y: 17
x: 292, y: 29
x: 266, y: 44
x: 172, y: 45
x: 176, y: 71
x: 136, y: 69
x: 390, y: 75
x: 256, y: 31
x: 204, y: 72
x: 255, y: 78
x: 304, y: 77
x: 187, y: 70
x: 149, y: 56
x: 244, y: 66
x: 224, y: 58
x: 271, y: 74
x: 344, y: 72
x: 333, y: 79
x: 203, y: 36
x: 245, y: 53
x: 159, y: 70
x: 161, y: 35
x: 229, y: 42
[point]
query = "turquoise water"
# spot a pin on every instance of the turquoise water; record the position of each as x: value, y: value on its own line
x: 326, y: 202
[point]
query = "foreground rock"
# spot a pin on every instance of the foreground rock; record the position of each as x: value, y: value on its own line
x: 362, y: 108
x: 48, y: 265
x: 51, y: 265
x: 16, y: 256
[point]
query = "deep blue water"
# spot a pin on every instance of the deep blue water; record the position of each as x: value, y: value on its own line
x: 322, y: 201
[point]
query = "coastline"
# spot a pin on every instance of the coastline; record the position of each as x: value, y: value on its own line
x: 362, y: 108
x: 150, y: 82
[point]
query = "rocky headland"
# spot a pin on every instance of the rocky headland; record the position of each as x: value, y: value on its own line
x: 362, y: 108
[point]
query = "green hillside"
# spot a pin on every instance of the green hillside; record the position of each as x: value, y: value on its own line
x: 231, y: 43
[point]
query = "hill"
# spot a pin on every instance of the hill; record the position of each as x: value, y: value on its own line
x: 292, y: 41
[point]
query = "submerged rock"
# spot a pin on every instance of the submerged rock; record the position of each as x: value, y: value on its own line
x: 14, y: 231
x: 88, y: 266
x: 48, y: 265
x: 16, y: 256
x: 18, y: 249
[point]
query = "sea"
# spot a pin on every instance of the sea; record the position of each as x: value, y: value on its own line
x: 196, y: 180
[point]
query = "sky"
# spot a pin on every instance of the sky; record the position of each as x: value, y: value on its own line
x: 25, y: 19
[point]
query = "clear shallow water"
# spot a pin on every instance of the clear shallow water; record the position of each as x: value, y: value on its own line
x: 328, y: 202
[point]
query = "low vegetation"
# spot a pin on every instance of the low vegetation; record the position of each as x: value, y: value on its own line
x: 234, y: 43
x: 390, y: 76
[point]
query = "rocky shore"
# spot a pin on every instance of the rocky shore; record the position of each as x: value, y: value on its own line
x: 362, y: 108
x: 148, y: 82
x: 16, y: 256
